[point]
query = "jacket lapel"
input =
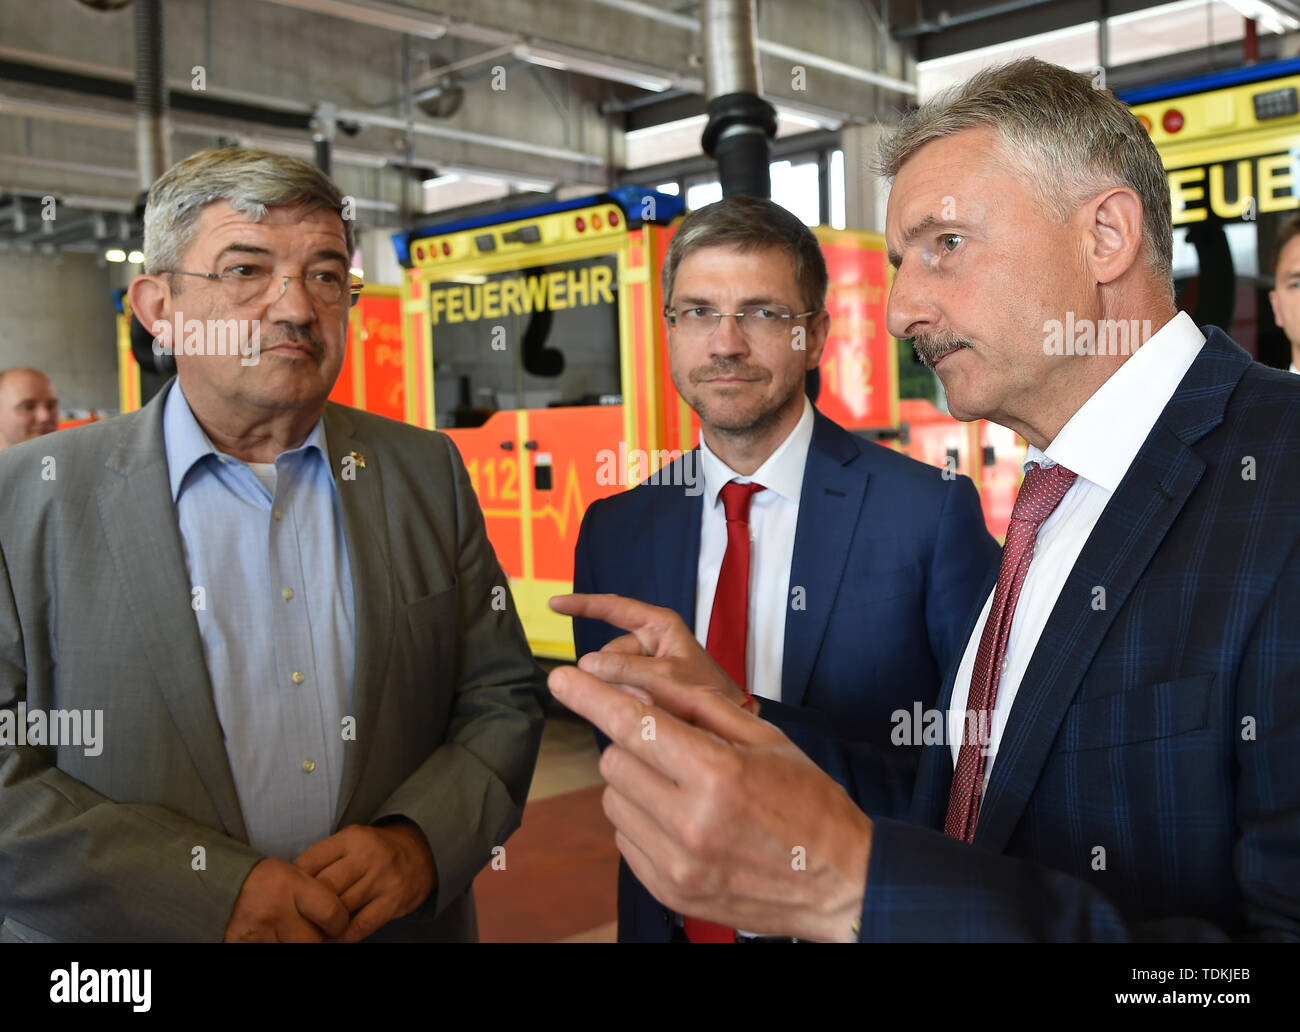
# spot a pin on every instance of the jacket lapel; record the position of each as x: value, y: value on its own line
x: 830, y: 501
x: 143, y: 538
x: 365, y: 531
x: 677, y: 523
x: 1130, y: 530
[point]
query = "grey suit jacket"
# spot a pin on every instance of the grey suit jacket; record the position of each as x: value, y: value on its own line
x: 95, y: 615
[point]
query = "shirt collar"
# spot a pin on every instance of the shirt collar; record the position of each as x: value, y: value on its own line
x: 782, y: 471
x: 187, y: 444
x: 1102, y: 439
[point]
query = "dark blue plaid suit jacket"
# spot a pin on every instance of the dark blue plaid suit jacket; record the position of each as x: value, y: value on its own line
x: 1148, y: 781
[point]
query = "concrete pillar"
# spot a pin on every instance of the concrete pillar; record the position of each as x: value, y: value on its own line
x: 865, y: 193
x: 59, y: 318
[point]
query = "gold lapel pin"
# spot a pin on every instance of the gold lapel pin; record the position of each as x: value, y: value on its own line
x: 358, y: 458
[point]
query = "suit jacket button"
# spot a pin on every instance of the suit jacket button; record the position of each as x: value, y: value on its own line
x: 668, y: 918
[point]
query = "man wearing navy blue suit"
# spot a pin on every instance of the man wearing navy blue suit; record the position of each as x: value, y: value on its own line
x: 1137, y: 661
x: 865, y: 564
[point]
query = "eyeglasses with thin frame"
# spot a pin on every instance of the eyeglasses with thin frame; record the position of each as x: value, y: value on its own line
x: 757, y: 322
x: 244, y: 283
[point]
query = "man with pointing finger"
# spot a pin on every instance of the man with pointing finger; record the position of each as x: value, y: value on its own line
x: 1135, y: 664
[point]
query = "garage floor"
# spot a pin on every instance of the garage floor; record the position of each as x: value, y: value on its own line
x: 560, y: 868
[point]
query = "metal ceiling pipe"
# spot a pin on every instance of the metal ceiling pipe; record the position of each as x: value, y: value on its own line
x: 730, y: 54
x: 323, y: 124
x: 771, y: 47
x: 152, y: 144
x: 949, y: 21
x: 48, y: 233
x: 741, y: 124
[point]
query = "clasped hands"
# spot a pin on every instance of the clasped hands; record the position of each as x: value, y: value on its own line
x: 342, y: 889
x: 718, y: 814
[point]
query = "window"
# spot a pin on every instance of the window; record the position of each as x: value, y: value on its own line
x: 795, y: 188
x: 536, y: 338
x: 700, y: 194
x: 836, y: 189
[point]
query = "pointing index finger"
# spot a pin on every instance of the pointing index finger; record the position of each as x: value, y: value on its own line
x: 648, y: 623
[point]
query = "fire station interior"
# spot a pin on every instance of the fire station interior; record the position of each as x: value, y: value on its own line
x: 516, y: 170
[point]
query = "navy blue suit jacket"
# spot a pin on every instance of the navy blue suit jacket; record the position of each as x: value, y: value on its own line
x: 892, y: 558
x: 1148, y: 781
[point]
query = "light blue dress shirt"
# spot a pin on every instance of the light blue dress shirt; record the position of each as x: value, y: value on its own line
x: 272, y: 592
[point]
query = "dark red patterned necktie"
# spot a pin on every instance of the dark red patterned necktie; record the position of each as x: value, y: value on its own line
x: 1040, y: 494
x: 728, y: 634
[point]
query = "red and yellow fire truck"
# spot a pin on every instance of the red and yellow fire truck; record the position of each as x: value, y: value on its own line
x: 537, y: 342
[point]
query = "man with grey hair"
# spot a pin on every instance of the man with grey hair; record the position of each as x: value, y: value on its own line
x: 29, y: 405
x: 842, y: 533
x: 320, y: 713
x: 1134, y: 673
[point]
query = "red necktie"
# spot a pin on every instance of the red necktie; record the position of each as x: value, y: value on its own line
x: 1040, y: 494
x: 728, y: 633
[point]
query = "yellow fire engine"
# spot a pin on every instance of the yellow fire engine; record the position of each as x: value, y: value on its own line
x: 537, y: 342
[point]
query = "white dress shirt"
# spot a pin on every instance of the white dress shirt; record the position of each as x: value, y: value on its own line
x: 1099, y: 443
x: 1294, y: 369
x: 773, y: 516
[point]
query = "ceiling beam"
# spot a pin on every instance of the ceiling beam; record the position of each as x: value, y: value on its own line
x: 361, y: 11
x: 775, y: 49
x: 378, y: 14
x: 249, y: 109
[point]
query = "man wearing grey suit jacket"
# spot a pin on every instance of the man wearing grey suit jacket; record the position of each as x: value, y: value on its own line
x: 260, y: 677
